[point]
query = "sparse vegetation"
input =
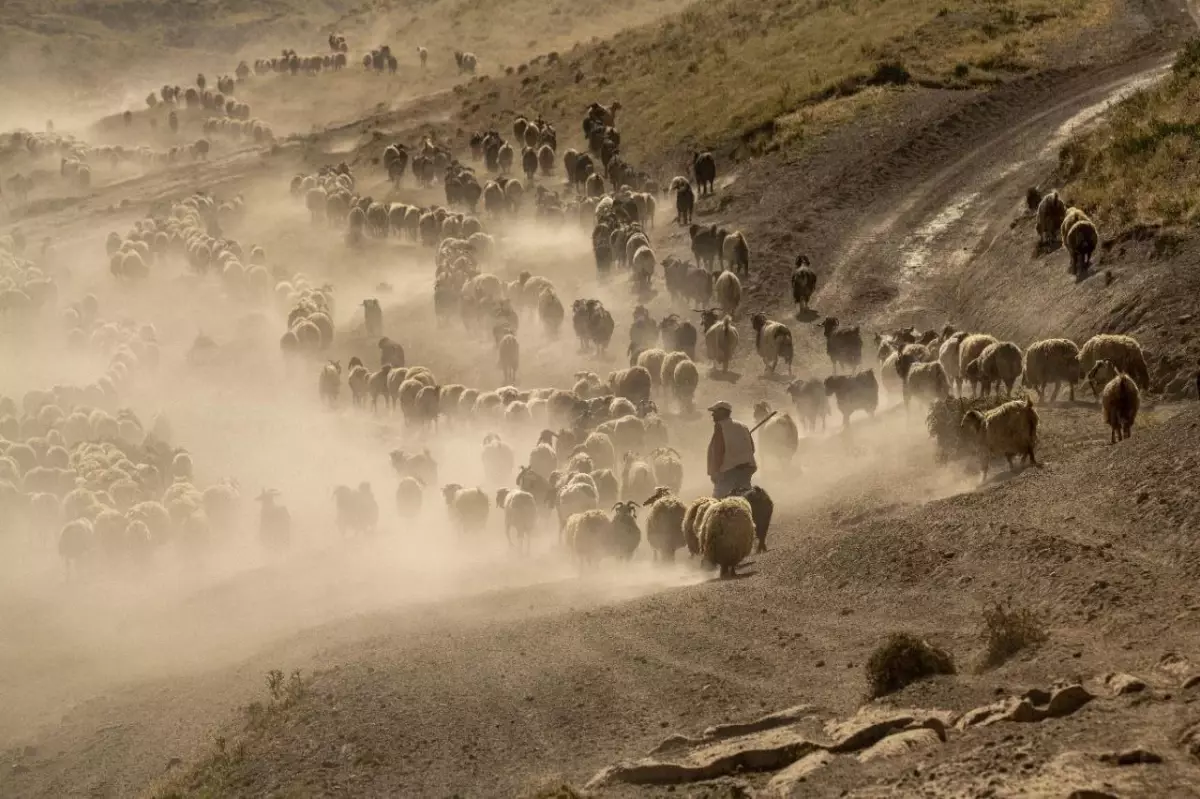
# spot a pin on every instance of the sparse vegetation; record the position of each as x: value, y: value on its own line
x: 1142, y: 166
x: 902, y: 660
x: 1007, y: 631
x: 944, y: 423
x: 216, y: 774
x: 722, y: 62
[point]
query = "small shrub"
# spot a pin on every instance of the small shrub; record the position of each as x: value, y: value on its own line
x: 890, y: 73
x: 944, y: 423
x: 1187, y: 63
x: 1007, y: 631
x: 902, y: 660
x: 961, y: 70
x: 275, y: 684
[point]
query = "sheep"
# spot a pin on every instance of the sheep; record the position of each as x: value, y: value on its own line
x: 409, y: 496
x: 468, y: 507
x: 550, y: 312
x: 1010, y: 429
x: 704, y: 166
x: 75, y: 542
x: 664, y: 523
x: 520, y: 515
x: 684, y: 380
x: 1119, y: 402
x: 421, y: 466
x: 633, y: 383
x: 685, y: 200
x: 377, y: 386
x: 510, y: 357
x: 804, y: 283
x: 727, y: 534
x: 970, y: 348
x: 373, y: 317
x: 624, y: 535
x: 1081, y: 242
x: 843, y: 345
x: 274, y: 521
x: 542, y: 458
x: 924, y: 381
x: 779, y: 436
x: 721, y: 341
x: 729, y: 293
x: 1051, y: 211
x: 359, y: 381
x: 762, y: 508
x: 574, y: 494
x: 1124, y: 352
x: 858, y: 392
x: 736, y: 253
x: 773, y: 341
x: 948, y: 358
x: 637, y: 477
x: 667, y: 464
x: 599, y: 448
x: 811, y: 402
x: 1001, y: 362
x: 1054, y: 360
x: 586, y: 534
x: 1099, y: 374
x: 391, y: 353
x: 608, y: 489
x: 642, y: 266
x: 498, y: 460
x: 357, y: 511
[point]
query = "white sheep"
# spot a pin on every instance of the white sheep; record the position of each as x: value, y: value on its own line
x: 729, y: 293
x: 1054, y: 360
x: 520, y: 516
x: 727, y: 534
x: 721, y: 342
x: 1124, y: 352
x: 779, y: 436
x: 468, y: 507
x: 1001, y: 362
x: 498, y: 460
x: 969, y: 349
x: 586, y: 534
x: 510, y: 357
x: 773, y: 341
x: 664, y: 523
x: 409, y: 497
x: 667, y: 464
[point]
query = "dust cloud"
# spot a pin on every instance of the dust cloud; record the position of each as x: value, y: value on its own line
x: 244, y: 412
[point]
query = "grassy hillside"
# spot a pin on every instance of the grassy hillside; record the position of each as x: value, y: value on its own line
x: 756, y: 69
x: 1143, y: 165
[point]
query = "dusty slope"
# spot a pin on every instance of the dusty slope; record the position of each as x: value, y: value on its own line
x: 1072, y: 541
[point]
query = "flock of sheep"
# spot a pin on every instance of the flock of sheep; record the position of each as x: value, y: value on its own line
x: 73, y: 459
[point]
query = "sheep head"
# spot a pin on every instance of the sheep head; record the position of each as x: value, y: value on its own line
x: 450, y: 491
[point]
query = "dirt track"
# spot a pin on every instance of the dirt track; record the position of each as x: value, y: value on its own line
x: 549, y: 678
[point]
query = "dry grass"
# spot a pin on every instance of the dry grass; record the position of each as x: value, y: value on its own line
x: 1142, y: 166
x: 902, y: 660
x: 1007, y: 631
x: 720, y: 70
x: 218, y: 774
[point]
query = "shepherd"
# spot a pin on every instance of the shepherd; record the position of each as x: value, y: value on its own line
x: 730, y: 453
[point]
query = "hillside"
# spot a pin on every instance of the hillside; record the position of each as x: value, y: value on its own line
x: 767, y: 74
x: 1142, y: 167
x: 1095, y: 544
